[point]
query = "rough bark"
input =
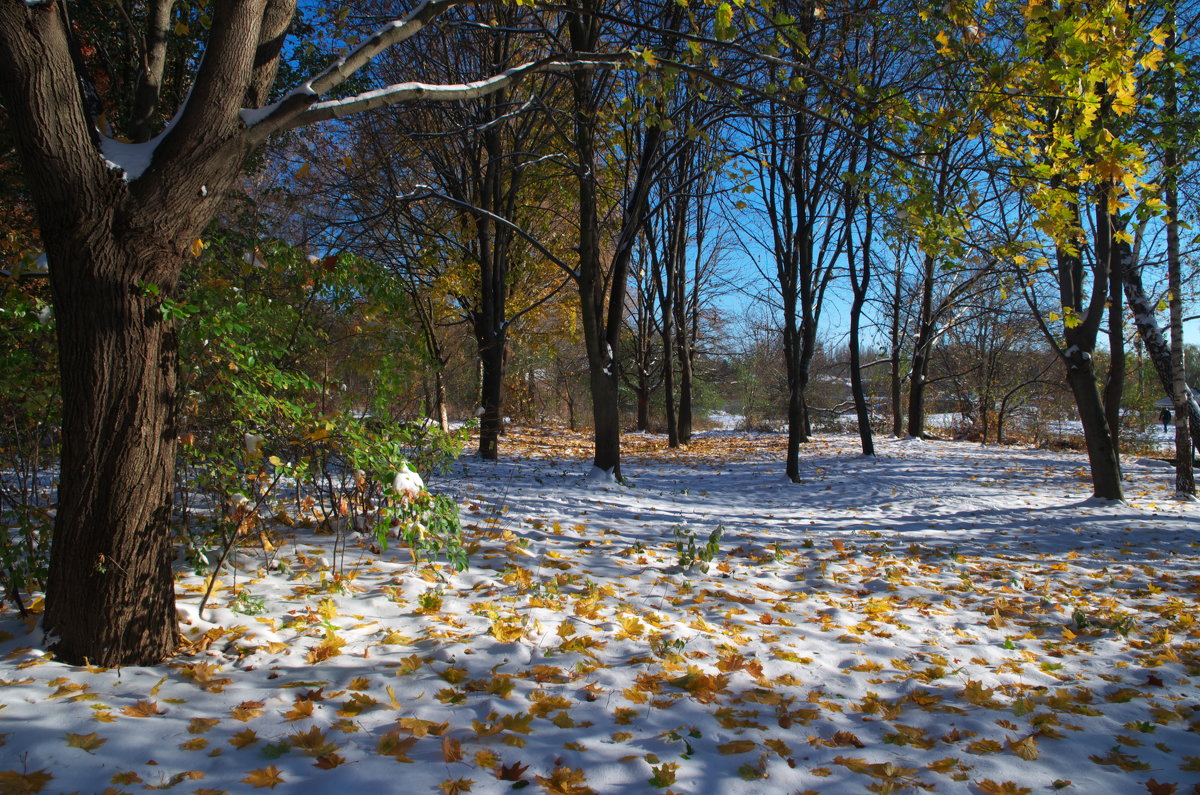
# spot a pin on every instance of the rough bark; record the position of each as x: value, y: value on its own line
x: 116, y: 244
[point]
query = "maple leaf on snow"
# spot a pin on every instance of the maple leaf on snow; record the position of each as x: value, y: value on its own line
x: 268, y: 777
x: 513, y: 772
x: 566, y: 781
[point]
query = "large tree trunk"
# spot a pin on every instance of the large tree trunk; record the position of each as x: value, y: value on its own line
x: 1107, y: 254
x: 110, y: 595
x: 491, y: 360
x: 1102, y: 453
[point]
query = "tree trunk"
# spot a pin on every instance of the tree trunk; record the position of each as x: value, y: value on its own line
x: 894, y: 359
x: 110, y: 599
x: 922, y: 352
x: 1102, y: 454
x: 1114, y: 383
x: 491, y: 361
x: 1185, y: 477
x: 1157, y: 346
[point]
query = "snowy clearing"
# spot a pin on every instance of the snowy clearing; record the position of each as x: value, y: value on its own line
x: 946, y: 618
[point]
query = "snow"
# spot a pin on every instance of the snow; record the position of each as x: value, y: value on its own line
x: 133, y: 159
x: 408, y: 481
x: 947, y: 616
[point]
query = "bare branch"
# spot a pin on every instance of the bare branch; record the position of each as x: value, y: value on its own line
x: 416, y: 91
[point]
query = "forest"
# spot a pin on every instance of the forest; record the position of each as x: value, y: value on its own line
x: 337, y: 331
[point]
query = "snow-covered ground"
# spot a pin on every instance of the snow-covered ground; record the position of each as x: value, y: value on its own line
x: 945, y: 617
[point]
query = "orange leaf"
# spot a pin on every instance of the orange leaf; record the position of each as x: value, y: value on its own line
x: 989, y: 787
x: 451, y: 750
x: 142, y: 709
x: 264, y: 778
x: 329, y: 761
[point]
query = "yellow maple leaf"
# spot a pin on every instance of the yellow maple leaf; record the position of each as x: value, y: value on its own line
x: 456, y: 786
x: 20, y: 783
x: 201, y: 725
x: 313, y: 742
x: 267, y: 777
x: 85, y: 742
x: 142, y: 709
x: 301, y: 710
x: 1026, y: 748
x: 247, y: 710
x: 244, y: 738
x: 989, y: 787
x: 395, y: 746
x: 566, y: 781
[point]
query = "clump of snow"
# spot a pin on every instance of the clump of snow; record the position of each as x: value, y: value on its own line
x: 407, y: 481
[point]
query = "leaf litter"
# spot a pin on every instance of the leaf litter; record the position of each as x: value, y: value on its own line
x: 943, y: 618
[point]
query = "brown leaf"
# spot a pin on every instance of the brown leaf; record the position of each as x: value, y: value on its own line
x: 329, y: 761
x: 989, y: 787
x: 513, y: 772
x: 846, y: 738
x: 1160, y: 787
x: 456, y: 786
x: 142, y: 709
x: 737, y: 747
x: 451, y: 750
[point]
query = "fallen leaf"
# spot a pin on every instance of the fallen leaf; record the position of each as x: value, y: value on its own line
x: 566, y: 781
x: 86, y: 742
x: 247, y: 710
x: 737, y: 747
x: 267, y: 777
x: 451, y: 750
x: 142, y: 709
x: 395, y: 746
x: 244, y: 738
x: 989, y: 787
x: 513, y: 772
x: 14, y: 783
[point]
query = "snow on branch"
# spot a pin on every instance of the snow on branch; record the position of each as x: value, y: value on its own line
x: 437, y: 92
x: 390, y: 34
